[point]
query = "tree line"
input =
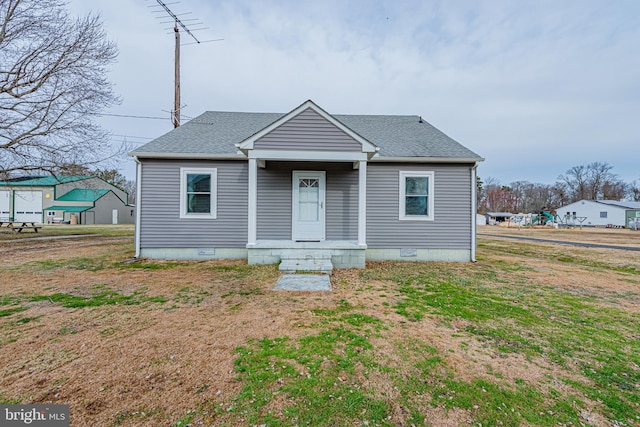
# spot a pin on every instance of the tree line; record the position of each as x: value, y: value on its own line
x: 594, y: 181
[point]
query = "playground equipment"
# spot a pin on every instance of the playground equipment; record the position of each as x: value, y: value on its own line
x: 543, y: 218
x: 572, y: 220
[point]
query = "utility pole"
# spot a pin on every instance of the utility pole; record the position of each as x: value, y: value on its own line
x: 176, y: 93
x: 178, y: 23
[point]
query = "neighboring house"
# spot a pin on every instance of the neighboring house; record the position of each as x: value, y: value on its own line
x: 307, y: 188
x: 77, y: 199
x: 601, y: 212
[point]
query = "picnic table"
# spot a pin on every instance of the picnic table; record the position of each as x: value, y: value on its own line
x: 13, y: 226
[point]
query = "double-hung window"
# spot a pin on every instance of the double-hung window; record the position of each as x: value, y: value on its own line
x: 198, y: 193
x: 416, y: 195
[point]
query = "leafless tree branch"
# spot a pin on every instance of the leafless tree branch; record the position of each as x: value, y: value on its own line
x: 52, y: 86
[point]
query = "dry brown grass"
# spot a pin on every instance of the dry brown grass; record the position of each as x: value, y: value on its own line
x: 149, y: 364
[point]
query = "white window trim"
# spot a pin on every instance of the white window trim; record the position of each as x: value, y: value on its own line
x: 213, y: 172
x: 402, y: 189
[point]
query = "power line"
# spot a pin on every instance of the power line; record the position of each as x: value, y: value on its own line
x: 131, y: 136
x: 131, y: 116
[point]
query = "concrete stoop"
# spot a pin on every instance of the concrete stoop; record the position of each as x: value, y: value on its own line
x: 312, y: 261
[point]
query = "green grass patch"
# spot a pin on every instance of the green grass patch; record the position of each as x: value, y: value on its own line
x: 191, y: 296
x: 100, y: 298
x: 24, y: 320
x: 547, y: 322
x: 118, y: 230
x: 110, y: 260
x: 315, y: 376
x: 147, y: 264
x: 243, y: 292
x: 9, y: 311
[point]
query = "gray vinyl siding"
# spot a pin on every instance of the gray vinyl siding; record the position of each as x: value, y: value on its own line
x: 160, y: 222
x: 308, y: 131
x: 275, y: 192
x: 451, y: 228
x: 105, y: 206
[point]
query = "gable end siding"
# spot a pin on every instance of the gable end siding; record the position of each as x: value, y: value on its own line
x: 275, y: 192
x: 160, y: 222
x: 308, y: 131
x: 451, y: 228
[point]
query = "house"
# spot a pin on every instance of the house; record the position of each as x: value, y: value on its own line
x: 307, y: 189
x: 607, y: 213
x: 75, y: 199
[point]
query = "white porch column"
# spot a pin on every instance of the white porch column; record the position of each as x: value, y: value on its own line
x: 138, y: 205
x: 253, y: 203
x: 362, y: 203
x: 474, y: 211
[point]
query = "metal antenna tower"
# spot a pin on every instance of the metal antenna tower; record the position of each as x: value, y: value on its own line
x: 177, y: 24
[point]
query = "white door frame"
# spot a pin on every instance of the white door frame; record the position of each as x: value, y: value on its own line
x: 308, y: 230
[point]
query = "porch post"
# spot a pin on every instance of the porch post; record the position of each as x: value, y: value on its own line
x: 138, y: 205
x: 253, y: 203
x: 362, y: 203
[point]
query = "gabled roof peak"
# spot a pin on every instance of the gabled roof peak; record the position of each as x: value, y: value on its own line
x: 248, y: 143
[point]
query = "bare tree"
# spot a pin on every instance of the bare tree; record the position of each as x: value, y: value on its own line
x: 52, y: 87
x: 576, y: 182
x: 600, y: 177
x: 594, y: 181
x: 559, y: 195
x: 633, y: 191
x: 482, y: 188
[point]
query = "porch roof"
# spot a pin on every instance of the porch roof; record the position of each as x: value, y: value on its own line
x: 68, y: 208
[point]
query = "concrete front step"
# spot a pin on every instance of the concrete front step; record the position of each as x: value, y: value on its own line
x: 321, y: 264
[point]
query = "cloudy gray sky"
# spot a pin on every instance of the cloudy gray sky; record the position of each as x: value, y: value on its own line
x: 535, y: 87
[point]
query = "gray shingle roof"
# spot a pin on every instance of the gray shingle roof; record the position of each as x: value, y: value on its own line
x: 217, y: 132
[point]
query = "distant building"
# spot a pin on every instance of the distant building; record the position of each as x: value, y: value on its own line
x: 494, y: 218
x: 602, y: 213
x: 73, y: 199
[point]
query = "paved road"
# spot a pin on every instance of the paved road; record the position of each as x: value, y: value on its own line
x: 562, y: 242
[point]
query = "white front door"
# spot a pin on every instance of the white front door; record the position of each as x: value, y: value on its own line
x: 308, y: 205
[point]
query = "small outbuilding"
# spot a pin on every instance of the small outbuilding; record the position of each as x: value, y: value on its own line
x: 495, y: 218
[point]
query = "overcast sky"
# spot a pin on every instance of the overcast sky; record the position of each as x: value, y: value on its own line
x: 534, y: 87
